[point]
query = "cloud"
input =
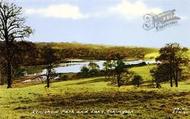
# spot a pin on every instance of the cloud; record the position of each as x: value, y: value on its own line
x: 133, y: 10
x: 125, y: 8
x: 66, y: 11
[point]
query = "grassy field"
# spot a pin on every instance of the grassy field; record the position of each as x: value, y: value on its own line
x: 95, y: 98
x: 143, y: 71
x: 152, y: 55
x: 155, y: 54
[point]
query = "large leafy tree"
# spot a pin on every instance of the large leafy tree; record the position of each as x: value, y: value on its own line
x: 12, y: 29
x: 160, y: 74
x: 173, y: 58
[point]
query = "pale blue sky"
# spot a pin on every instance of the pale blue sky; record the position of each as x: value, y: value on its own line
x: 113, y: 22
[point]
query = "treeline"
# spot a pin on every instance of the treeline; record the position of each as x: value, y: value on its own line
x: 98, y: 52
x: 30, y: 54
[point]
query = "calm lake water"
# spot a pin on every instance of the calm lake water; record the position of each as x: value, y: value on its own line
x: 75, y: 65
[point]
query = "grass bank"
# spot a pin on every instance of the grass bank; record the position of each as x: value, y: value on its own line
x: 93, y: 98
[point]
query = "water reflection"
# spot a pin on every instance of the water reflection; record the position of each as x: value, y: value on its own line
x: 75, y: 65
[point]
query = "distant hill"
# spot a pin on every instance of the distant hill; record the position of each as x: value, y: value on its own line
x: 93, y: 51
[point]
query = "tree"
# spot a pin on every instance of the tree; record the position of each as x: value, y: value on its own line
x: 109, y: 66
x: 173, y: 58
x: 49, y: 61
x: 119, y: 69
x: 25, y: 53
x: 106, y: 68
x: 137, y: 80
x: 2, y: 72
x: 160, y: 74
x: 84, y: 71
x: 12, y: 28
x: 93, y: 68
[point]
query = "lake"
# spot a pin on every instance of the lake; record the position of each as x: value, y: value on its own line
x: 74, y: 66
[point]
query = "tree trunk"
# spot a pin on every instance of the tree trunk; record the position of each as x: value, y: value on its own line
x: 9, y: 75
x: 1, y: 79
x: 48, y: 78
x: 171, y: 83
x: 176, y: 83
x: 47, y: 81
x: 170, y: 74
x: 158, y: 85
x: 118, y: 80
x: 176, y: 78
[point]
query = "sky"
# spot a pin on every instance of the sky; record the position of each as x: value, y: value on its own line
x: 109, y: 22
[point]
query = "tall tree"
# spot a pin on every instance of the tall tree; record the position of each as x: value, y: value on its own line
x: 12, y: 29
x: 119, y: 69
x: 49, y: 61
x: 172, y: 57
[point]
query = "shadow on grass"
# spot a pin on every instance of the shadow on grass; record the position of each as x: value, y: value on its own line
x: 111, y: 98
x: 144, y: 103
x: 95, y: 80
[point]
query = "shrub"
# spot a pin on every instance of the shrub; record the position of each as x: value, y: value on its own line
x: 137, y: 80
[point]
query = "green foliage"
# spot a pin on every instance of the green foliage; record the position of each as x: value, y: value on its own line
x: 119, y: 70
x: 64, y: 77
x: 33, y: 69
x: 109, y: 66
x: 173, y: 58
x: 92, y: 69
x: 93, y: 66
x: 137, y: 80
x: 20, y: 72
x: 160, y: 74
x: 84, y: 71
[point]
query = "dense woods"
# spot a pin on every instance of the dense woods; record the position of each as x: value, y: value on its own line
x: 98, y: 52
x: 79, y: 51
x: 34, y: 52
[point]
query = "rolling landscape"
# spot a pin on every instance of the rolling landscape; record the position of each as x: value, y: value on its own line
x: 95, y: 79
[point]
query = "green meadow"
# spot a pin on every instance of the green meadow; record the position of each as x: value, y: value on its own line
x: 95, y: 98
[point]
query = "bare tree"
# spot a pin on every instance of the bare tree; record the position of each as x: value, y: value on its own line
x: 12, y: 29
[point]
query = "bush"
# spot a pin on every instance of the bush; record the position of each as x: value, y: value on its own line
x: 20, y: 72
x: 89, y: 71
x: 137, y: 80
x: 65, y: 77
x: 84, y: 71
